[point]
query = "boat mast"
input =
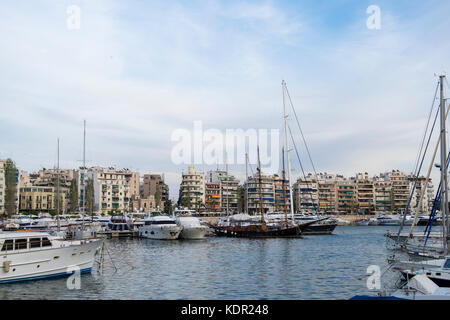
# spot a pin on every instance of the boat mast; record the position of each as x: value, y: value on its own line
x: 260, y: 192
x: 283, y: 177
x: 246, y: 178
x: 84, y: 169
x: 226, y: 180
x: 444, y: 200
x: 283, y: 84
x: 57, y: 191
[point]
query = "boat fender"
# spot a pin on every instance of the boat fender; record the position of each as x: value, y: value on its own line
x: 6, y: 265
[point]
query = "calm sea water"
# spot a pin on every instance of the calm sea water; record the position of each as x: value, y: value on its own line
x: 315, y: 267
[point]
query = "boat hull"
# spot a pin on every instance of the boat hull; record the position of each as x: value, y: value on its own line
x: 47, y: 263
x: 160, y: 232
x: 194, y: 233
x: 319, y: 229
x: 255, y: 231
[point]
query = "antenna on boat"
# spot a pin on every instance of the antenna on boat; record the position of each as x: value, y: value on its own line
x: 283, y: 84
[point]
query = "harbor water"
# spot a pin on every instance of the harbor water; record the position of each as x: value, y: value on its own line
x: 315, y: 267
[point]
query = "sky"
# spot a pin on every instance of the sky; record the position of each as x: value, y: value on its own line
x: 137, y: 71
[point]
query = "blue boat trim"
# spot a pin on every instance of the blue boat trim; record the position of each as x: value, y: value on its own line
x: 55, y: 275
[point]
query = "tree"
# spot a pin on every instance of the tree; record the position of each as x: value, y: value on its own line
x: 168, y: 207
x: 186, y: 202
x: 73, y: 196
x: 241, y: 199
x: 90, y: 200
x: 11, y: 187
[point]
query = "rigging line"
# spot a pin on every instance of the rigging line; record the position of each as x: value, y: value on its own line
x: 417, y: 178
x: 301, y: 166
x: 435, y: 205
x: 301, y: 131
x: 426, y: 129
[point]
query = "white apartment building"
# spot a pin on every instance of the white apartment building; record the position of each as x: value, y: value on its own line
x: 113, y: 188
x: 192, y: 189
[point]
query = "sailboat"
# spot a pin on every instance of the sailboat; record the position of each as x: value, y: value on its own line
x: 438, y: 270
x: 251, y: 228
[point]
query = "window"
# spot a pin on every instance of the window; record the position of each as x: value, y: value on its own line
x: 46, y: 242
x: 7, y: 245
x: 35, y: 242
x: 447, y: 264
x: 20, y: 244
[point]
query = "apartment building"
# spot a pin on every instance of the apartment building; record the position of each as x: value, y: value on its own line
x: 400, y: 190
x: 3, y: 188
x: 213, y: 197
x: 346, y: 196
x: 41, y: 199
x: 282, y: 194
x: 382, y: 193
x: 151, y: 183
x: 386, y: 192
x: 306, y: 194
x: 113, y: 188
x: 327, y: 192
x: 229, y: 186
x: 421, y: 186
x: 267, y: 191
x: 365, y: 192
x: 192, y: 189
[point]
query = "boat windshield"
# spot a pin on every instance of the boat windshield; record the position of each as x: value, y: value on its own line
x: 447, y: 264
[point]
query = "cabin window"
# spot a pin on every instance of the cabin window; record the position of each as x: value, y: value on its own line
x: 7, y: 245
x: 46, y: 242
x: 35, y: 242
x: 447, y: 264
x: 20, y: 244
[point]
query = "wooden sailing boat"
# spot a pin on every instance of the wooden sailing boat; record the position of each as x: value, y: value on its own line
x: 259, y: 229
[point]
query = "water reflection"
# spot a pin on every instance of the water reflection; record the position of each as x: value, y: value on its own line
x: 315, y: 267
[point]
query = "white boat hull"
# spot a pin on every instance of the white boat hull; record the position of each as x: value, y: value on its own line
x: 194, y: 233
x: 51, y: 262
x: 160, y: 232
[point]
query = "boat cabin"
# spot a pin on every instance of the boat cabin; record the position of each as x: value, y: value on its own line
x: 12, y: 242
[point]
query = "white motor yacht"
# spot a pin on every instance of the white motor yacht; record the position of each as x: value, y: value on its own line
x: 37, y: 255
x: 388, y: 220
x: 192, y: 228
x: 160, y: 227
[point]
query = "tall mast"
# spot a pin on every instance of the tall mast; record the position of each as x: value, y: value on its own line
x: 283, y: 177
x: 246, y: 178
x: 57, y: 191
x: 84, y: 169
x: 283, y: 84
x: 226, y: 178
x: 444, y: 200
x: 84, y: 144
x: 260, y: 192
